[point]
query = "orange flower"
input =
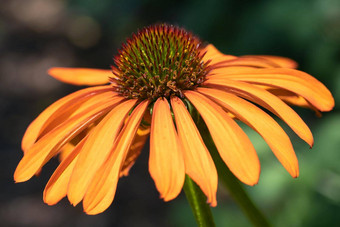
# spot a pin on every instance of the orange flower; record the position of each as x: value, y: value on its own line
x: 161, y: 75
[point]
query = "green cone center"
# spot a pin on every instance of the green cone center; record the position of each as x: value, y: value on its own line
x: 159, y: 61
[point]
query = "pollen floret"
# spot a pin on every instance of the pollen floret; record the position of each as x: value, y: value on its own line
x: 159, y: 61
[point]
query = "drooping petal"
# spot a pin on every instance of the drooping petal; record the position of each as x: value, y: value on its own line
x: 56, y: 188
x: 280, y: 61
x: 102, y: 189
x: 75, y: 109
x: 292, y: 80
x: 51, y: 143
x: 96, y: 150
x: 198, y: 162
x: 261, y: 122
x: 68, y: 148
x: 64, y: 152
x: 268, y: 101
x: 136, y: 147
x: 166, y: 164
x: 81, y: 76
x: 50, y: 113
x: 232, y: 143
x: 290, y: 97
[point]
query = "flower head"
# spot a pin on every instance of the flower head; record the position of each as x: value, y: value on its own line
x: 160, y: 61
x: 161, y: 75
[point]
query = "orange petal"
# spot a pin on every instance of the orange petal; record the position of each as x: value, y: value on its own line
x: 268, y: 101
x: 166, y: 164
x: 211, y: 52
x: 280, y: 61
x: 56, y: 188
x: 51, y: 143
x: 292, y: 80
x: 198, y: 162
x: 102, y: 189
x: 294, y: 100
x: 73, y: 110
x: 230, y: 70
x: 81, y: 76
x: 232, y: 143
x: 136, y: 147
x: 289, y: 97
x: 50, y: 113
x: 96, y: 150
x: 214, y: 55
x: 66, y: 151
x: 261, y: 122
x: 248, y: 62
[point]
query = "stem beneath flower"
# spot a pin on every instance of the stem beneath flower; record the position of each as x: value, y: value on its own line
x: 233, y: 185
x: 198, y: 203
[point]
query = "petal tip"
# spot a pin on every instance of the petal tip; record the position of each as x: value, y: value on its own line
x: 91, y: 212
x: 49, y: 201
x: 212, y: 203
x: 250, y: 180
x: 253, y: 183
x: 295, y: 173
x: 91, y: 209
x: 74, y: 200
x: 253, y: 179
x: 19, y: 176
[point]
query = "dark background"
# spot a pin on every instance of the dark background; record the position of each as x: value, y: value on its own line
x: 38, y: 34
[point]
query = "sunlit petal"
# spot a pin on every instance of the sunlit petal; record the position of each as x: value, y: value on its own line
x: 198, y: 162
x: 51, y: 143
x: 232, y: 143
x: 292, y: 80
x: 136, y: 147
x: 213, y: 55
x: 280, y: 61
x: 56, y: 109
x: 247, y: 62
x: 261, y: 122
x: 166, y: 164
x: 96, y: 150
x: 56, y: 188
x: 268, y: 101
x: 102, y: 189
x: 81, y: 76
x: 74, y: 110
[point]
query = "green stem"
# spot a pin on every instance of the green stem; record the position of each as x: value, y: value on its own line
x: 198, y: 203
x: 234, y: 186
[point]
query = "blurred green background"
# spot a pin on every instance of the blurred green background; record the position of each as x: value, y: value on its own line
x: 38, y: 34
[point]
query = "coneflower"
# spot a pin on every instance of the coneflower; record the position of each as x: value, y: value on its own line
x: 161, y: 76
